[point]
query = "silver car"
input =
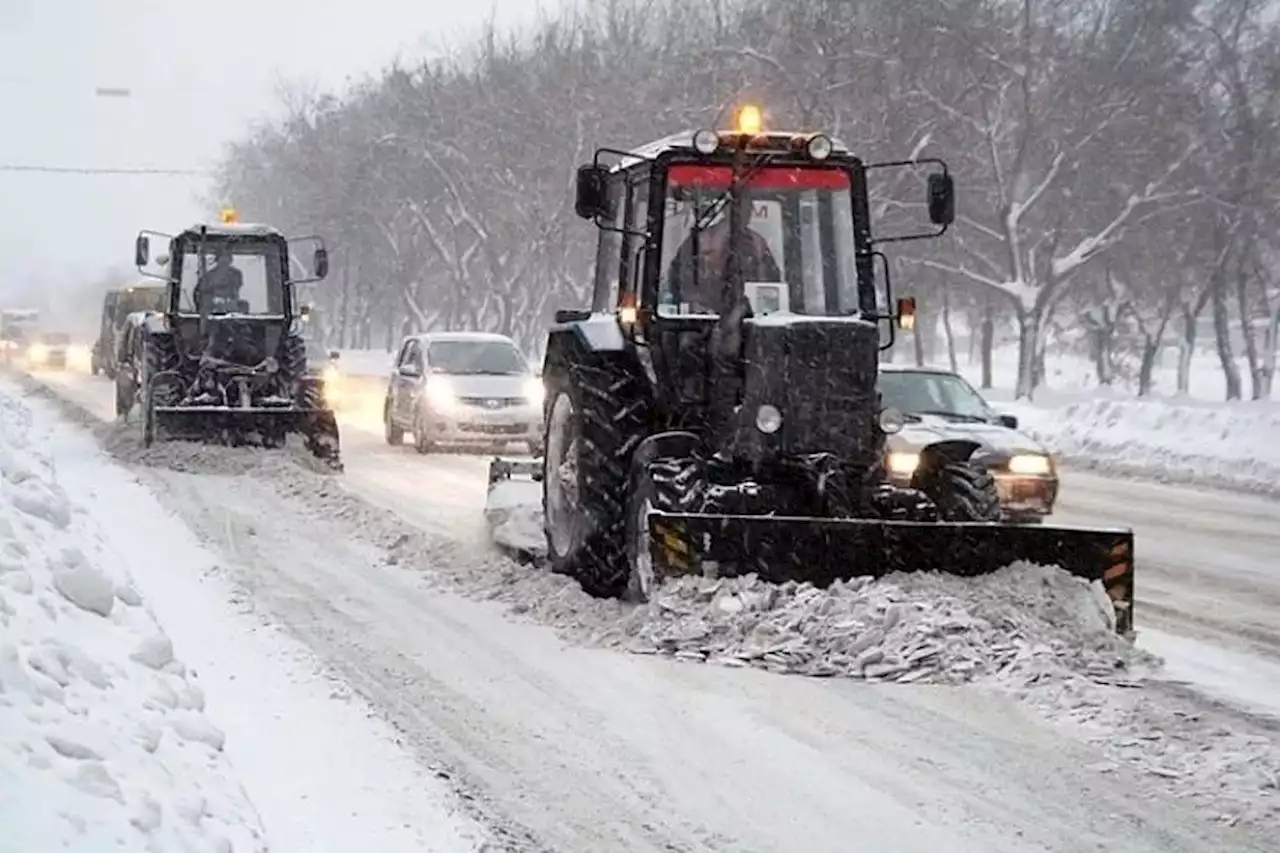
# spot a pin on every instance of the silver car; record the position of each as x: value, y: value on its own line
x: 467, y: 389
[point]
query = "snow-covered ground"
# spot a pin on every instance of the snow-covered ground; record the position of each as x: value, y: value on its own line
x: 574, y: 741
x: 110, y: 607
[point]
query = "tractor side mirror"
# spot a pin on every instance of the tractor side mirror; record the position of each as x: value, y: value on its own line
x: 1008, y: 421
x: 142, y: 251
x: 321, y: 262
x: 906, y: 314
x: 591, y: 199
x: 942, y: 199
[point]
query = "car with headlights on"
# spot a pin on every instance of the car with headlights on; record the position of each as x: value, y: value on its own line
x: 463, y: 389
x: 939, y: 405
x: 49, y: 351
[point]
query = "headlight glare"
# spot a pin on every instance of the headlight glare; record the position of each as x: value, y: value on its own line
x: 440, y: 394
x: 902, y: 464
x: 1030, y: 464
x: 534, y: 391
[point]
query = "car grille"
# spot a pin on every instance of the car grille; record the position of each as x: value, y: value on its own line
x: 495, y: 429
x: 493, y: 402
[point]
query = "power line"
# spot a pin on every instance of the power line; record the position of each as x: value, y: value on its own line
x: 86, y: 170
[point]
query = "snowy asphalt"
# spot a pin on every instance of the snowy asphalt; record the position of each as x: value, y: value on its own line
x: 1204, y: 579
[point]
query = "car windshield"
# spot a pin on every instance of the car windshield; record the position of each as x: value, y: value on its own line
x: 139, y: 299
x: 248, y: 281
x: 476, y: 357
x: 799, y: 253
x: 925, y: 393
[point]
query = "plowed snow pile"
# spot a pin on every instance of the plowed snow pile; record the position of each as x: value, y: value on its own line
x: 104, y: 743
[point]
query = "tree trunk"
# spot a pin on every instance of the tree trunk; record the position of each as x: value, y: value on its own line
x: 948, y: 333
x: 1222, y: 332
x: 1147, y: 365
x: 1246, y: 330
x: 986, y: 344
x: 1030, y: 359
x: 1269, y: 353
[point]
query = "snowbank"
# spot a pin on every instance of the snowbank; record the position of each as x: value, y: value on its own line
x: 1223, y: 444
x: 104, y: 743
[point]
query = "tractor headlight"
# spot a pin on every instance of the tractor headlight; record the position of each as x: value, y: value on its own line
x: 534, y: 391
x: 706, y: 141
x: 768, y: 419
x: 902, y: 464
x: 819, y: 147
x: 1030, y: 464
x: 440, y: 394
x: 892, y: 421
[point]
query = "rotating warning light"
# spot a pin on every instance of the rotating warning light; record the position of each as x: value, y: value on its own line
x: 749, y: 119
x: 228, y: 215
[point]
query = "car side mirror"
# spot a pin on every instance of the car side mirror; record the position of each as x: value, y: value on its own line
x: 334, y: 354
x: 1009, y: 421
x: 591, y: 199
x: 942, y: 199
x: 412, y: 371
x: 142, y: 251
x: 304, y: 312
x: 162, y: 261
x: 321, y: 262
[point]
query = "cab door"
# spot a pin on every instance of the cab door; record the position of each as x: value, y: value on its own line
x: 407, y: 380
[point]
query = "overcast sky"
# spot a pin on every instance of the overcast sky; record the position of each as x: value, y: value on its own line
x: 200, y: 73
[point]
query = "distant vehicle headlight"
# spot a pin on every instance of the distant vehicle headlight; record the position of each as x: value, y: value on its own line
x: 440, y: 394
x: 534, y: 391
x: 902, y: 464
x: 1030, y: 464
x: 38, y: 353
x: 330, y: 375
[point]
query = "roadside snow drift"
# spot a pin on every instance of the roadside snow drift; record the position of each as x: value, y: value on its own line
x: 1222, y: 444
x: 104, y: 744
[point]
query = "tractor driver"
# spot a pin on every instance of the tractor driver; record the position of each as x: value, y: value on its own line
x: 218, y: 290
x: 702, y: 291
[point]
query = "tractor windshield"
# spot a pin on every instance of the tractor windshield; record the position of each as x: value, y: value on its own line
x: 139, y: 299
x: 236, y: 277
x: 797, y: 255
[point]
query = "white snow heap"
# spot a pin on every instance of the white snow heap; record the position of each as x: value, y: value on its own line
x: 1013, y: 625
x: 104, y: 744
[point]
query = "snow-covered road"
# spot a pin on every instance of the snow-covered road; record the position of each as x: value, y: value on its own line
x: 593, y: 750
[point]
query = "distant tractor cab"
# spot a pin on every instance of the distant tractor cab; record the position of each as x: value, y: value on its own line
x: 226, y: 359
x: 716, y: 410
x: 117, y: 305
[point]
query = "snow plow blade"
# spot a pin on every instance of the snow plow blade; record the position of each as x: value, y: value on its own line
x: 251, y: 427
x: 513, y: 508
x: 822, y: 550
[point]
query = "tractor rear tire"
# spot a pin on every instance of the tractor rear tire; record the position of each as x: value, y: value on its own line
x: 964, y: 491
x: 603, y: 423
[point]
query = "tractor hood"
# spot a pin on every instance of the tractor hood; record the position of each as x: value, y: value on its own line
x: 923, y: 430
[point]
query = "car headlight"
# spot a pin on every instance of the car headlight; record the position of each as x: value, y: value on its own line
x: 534, y: 391
x: 440, y: 394
x: 38, y: 352
x: 902, y: 464
x: 1030, y: 464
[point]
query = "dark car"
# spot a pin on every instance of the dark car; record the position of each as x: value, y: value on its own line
x: 939, y: 405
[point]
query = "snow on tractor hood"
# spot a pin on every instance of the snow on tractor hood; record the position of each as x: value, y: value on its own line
x: 931, y: 429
